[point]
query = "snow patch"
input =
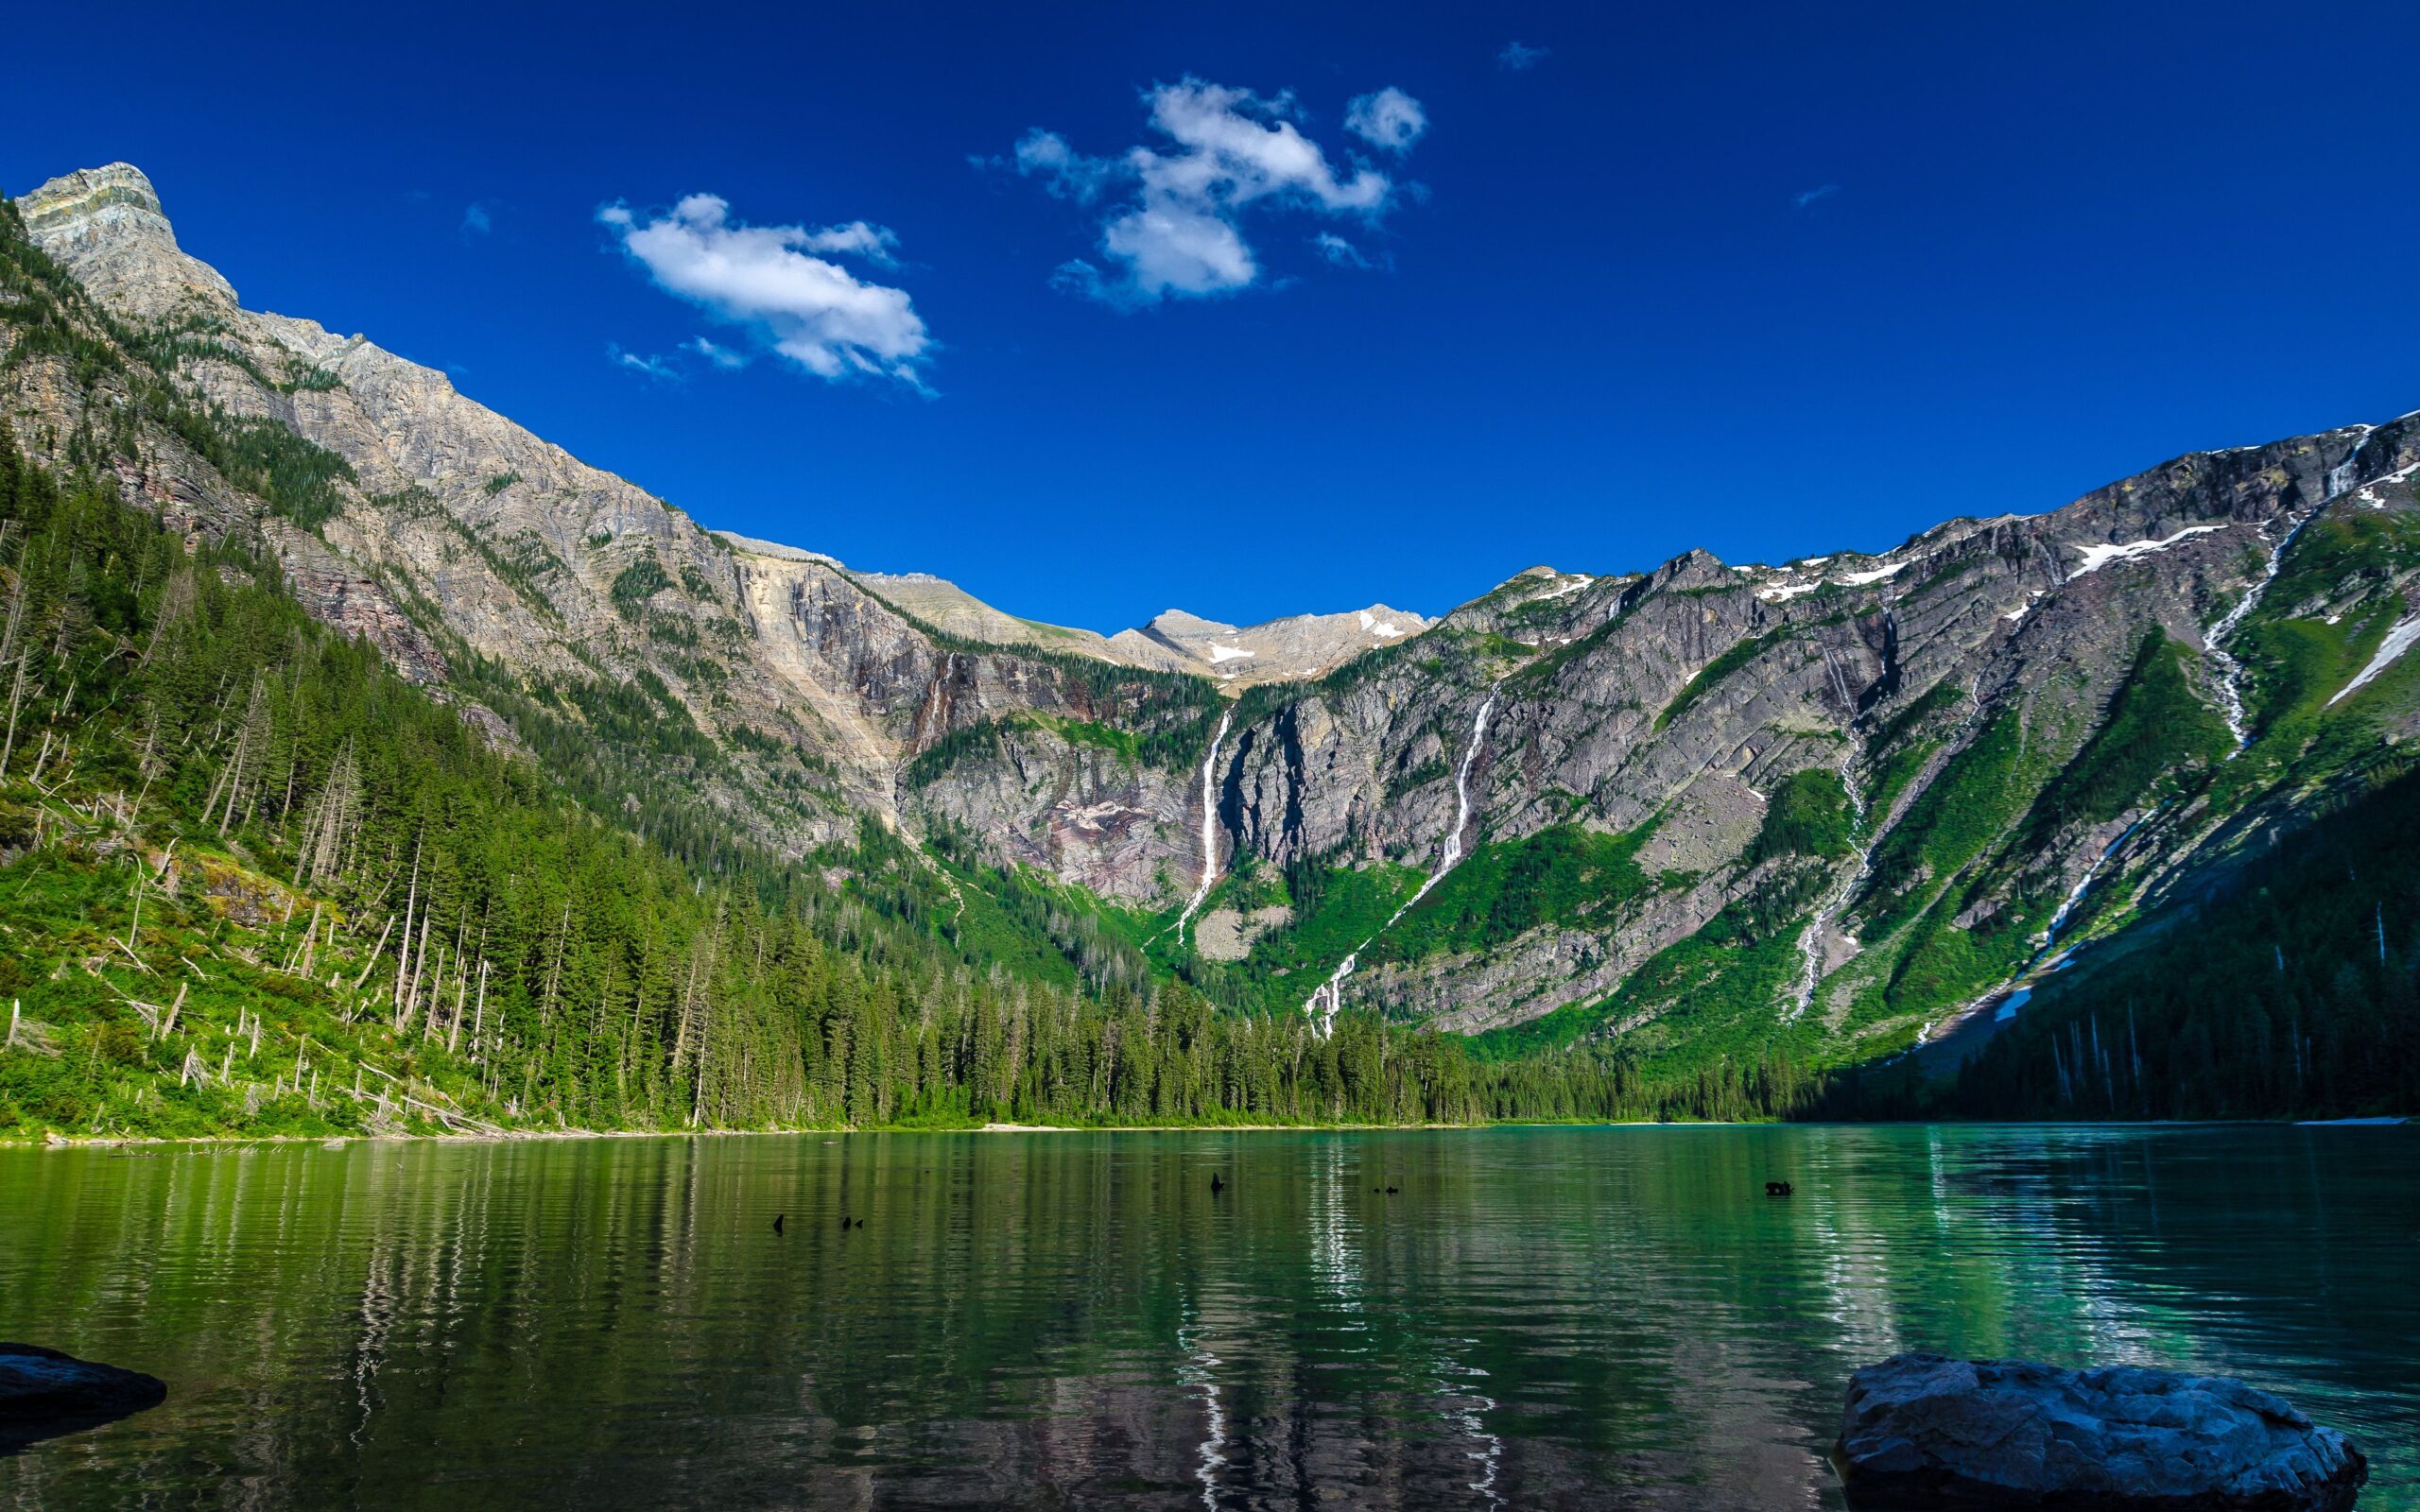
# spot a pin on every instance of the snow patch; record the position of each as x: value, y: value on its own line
x: 2367, y: 494
x: 1579, y: 581
x: 1860, y: 579
x: 2398, y: 641
x: 1786, y: 592
x: 2017, y: 614
x: 2095, y: 557
x: 1225, y: 653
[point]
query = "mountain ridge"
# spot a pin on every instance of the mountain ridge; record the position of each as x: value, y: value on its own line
x: 1708, y: 809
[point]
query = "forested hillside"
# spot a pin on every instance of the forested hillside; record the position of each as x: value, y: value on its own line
x: 525, y: 788
x: 2288, y: 987
x: 253, y: 881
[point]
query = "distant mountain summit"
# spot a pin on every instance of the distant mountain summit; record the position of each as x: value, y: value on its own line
x: 1297, y: 647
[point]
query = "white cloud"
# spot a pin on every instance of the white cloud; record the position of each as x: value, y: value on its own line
x: 1389, y: 119
x: 721, y: 357
x: 764, y: 279
x: 1338, y: 250
x: 1176, y: 226
x: 856, y: 238
x: 1808, y: 197
x: 651, y: 367
x: 1519, y: 56
x: 475, y: 221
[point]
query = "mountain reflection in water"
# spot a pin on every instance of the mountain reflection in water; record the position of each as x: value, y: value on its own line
x: 1534, y: 1317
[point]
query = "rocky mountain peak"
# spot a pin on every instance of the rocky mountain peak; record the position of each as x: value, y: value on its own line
x: 1694, y: 569
x: 1177, y: 622
x: 107, y: 225
x: 90, y: 189
x: 1298, y: 646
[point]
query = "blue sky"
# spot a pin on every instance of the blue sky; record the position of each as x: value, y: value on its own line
x: 1377, y: 316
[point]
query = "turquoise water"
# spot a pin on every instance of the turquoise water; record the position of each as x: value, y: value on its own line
x: 1537, y: 1317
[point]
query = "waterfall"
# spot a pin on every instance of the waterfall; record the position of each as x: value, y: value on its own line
x: 1209, y: 825
x: 2339, y: 480
x: 1325, y: 1001
x: 1810, y: 944
x: 1328, y: 997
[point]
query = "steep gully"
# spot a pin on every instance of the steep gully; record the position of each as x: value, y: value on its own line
x: 1325, y: 1002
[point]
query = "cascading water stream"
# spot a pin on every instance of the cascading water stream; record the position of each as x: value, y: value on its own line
x: 1810, y: 945
x: 1326, y: 1002
x: 2015, y: 1000
x: 2083, y: 885
x: 2340, y: 482
x: 1209, y: 826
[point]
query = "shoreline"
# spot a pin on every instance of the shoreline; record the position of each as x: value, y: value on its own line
x: 54, y: 1142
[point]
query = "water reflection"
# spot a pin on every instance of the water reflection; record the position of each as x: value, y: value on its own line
x: 1533, y: 1318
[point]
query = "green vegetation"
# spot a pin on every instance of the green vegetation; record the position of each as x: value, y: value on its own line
x: 2156, y: 741
x: 47, y: 315
x: 980, y: 739
x: 1712, y: 999
x: 2291, y: 989
x: 2157, y: 726
x: 1739, y: 655
x: 1969, y: 805
x: 1808, y: 815
x: 635, y: 584
x: 1505, y: 889
x: 499, y: 483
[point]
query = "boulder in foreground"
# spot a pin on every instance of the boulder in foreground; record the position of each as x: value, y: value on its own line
x: 1924, y: 1431
x: 44, y: 1392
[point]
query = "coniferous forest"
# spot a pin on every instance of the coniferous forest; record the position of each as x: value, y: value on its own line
x: 252, y: 881
x: 255, y: 881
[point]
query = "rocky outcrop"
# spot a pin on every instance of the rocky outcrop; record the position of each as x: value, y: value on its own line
x: 1926, y: 1431
x: 45, y: 1394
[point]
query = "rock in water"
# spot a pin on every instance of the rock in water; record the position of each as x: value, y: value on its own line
x: 45, y: 1394
x: 1924, y: 1431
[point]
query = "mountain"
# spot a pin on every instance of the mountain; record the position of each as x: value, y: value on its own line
x: 1292, y: 649
x: 1286, y: 651
x: 1702, y: 815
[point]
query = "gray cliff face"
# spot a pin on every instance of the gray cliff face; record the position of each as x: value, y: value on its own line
x: 1666, y: 727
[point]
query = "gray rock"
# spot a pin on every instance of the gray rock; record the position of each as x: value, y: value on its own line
x: 44, y: 1392
x: 1924, y: 1431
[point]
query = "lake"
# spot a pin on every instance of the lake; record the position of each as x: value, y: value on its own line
x: 1565, y: 1318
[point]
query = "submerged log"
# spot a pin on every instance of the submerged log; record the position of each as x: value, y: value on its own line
x: 1924, y: 1431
